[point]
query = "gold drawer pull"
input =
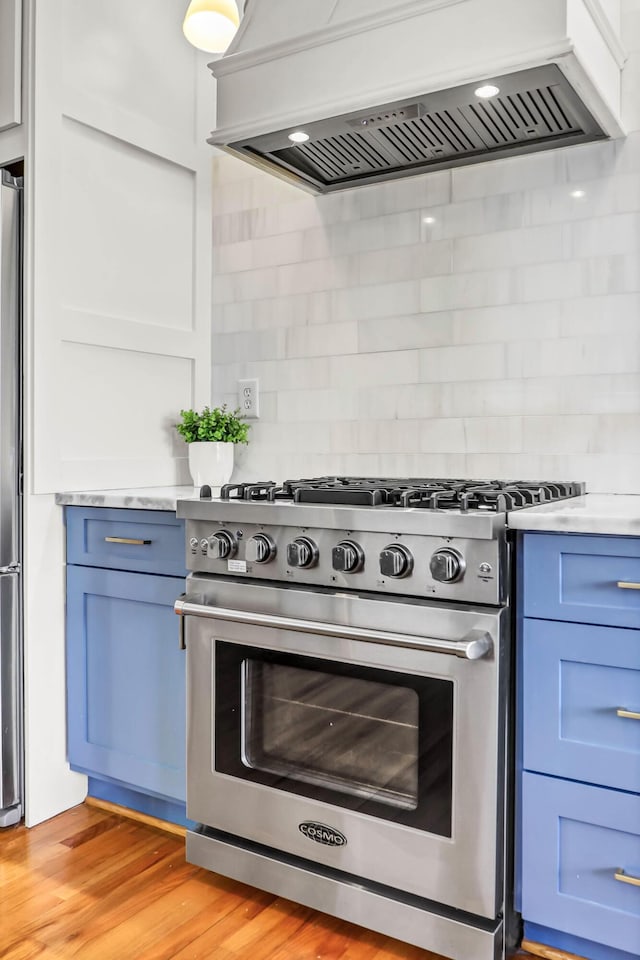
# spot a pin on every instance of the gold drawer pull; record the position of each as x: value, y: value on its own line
x: 134, y: 543
x: 626, y: 877
x: 630, y: 714
x: 628, y: 585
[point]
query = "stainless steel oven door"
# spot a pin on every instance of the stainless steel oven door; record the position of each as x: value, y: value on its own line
x: 359, y: 733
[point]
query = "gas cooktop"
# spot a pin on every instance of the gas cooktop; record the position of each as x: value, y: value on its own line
x: 497, y: 496
x: 427, y: 537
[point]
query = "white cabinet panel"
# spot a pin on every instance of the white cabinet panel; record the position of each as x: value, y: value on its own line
x: 119, y: 407
x: 134, y: 56
x: 118, y: 295
x: 121, y: 236
x: 128, y: 230
x: 10, y: 62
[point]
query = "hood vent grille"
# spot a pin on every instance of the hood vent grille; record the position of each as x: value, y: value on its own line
x: 536, y: 109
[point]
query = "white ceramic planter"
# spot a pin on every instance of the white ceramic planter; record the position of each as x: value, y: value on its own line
x: 210, y: 463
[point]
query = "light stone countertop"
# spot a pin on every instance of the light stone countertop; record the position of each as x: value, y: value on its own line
x: 141, y: 498
x: 605, y: 513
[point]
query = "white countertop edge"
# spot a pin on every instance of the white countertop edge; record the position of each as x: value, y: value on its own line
x: 615, y: 514
x: 595, y: 513
x: 141, y: 498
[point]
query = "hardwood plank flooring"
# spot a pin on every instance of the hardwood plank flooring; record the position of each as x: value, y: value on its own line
x: 91, y: 885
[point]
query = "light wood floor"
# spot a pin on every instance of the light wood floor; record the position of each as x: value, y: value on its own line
x: 90, y: 884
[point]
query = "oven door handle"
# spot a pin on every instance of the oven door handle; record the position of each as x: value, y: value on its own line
x: 473, y: 646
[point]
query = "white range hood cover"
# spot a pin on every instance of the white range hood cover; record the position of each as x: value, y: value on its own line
x: 295, y: 63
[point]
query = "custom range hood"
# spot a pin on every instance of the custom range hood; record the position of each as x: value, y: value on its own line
x: 386, y: 88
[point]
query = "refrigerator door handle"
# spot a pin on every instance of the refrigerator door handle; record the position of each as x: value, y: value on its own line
x: 11, y: 568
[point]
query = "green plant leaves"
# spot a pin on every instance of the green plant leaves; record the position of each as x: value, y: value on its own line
x: 219, y: 424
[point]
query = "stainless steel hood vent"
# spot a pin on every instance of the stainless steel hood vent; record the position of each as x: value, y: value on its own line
x: 386, y: 88
x: 535, y: 109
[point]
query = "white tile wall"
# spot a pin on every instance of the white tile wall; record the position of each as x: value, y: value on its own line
x: 500, y: 338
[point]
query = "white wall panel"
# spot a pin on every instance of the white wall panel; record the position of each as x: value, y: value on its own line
x: 128, y: 230
x: 122, y: 222
x: 49, y: 784
x: 133, y: 56
x: 118, y: 298
x: 121, y: 407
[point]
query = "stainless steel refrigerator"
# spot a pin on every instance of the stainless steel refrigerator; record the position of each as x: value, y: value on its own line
x: 11, y: 722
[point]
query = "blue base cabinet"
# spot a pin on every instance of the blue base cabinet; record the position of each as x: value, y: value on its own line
x: 579, y: 829
x: 580, y: 841
x: 125, y: 671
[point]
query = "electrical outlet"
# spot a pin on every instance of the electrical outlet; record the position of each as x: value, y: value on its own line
x: 249, y: 398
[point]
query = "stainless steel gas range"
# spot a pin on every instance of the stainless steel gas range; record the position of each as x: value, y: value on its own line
x: 349, y: 690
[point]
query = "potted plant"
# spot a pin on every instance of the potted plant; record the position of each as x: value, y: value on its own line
x: 211, y: 436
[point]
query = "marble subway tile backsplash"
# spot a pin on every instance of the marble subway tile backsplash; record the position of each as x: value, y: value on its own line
x: 480, y: 321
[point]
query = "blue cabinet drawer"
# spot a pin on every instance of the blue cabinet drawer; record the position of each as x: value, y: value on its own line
x: 577, y: 840
x: 582, y: 579
x: 125, y: 679
x: 581, y: 698
x: 147, y: 541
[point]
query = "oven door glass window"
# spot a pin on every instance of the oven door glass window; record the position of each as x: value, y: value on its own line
x: 367, y: 739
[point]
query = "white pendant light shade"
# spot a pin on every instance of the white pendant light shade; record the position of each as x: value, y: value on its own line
x: 210, y: 25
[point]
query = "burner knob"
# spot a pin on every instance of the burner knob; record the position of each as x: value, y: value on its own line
x: 222, y: 545
x: 447, y: 566
x: 396, y: 561
x: 302, y: 552
x: 260, y: 549
x: 347, y: 557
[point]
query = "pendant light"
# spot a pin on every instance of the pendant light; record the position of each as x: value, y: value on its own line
x: 210, y: 25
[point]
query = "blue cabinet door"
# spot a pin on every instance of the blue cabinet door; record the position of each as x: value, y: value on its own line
x: 143, y: 541
x: 582, y: 579
x: 581, y: 852
x: 125, y: 676
x: 581, y: 700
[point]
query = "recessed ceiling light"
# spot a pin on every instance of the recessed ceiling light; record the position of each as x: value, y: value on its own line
x: 578, y: 194
x: 487, y: 91
x: 428, y: 219
x: 298, y: 136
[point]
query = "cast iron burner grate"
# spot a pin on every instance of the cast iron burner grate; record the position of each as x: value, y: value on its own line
x: 497, y: 496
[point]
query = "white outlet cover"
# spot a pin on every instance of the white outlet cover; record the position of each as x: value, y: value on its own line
x: 249, y: 398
